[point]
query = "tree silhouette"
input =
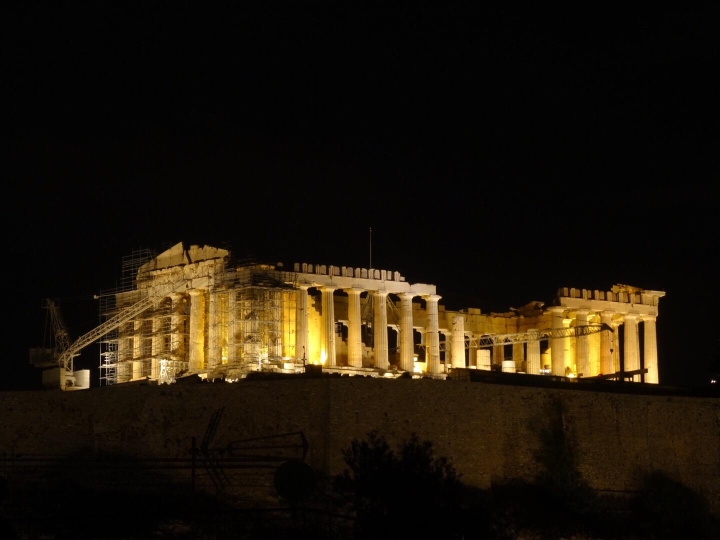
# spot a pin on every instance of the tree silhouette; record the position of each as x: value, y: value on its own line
x: 402, y: 493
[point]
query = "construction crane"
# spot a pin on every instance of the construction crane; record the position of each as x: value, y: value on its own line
x: 62, y: 338
x: 65, y: 359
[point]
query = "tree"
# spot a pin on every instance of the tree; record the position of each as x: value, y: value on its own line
x: 401, y: 493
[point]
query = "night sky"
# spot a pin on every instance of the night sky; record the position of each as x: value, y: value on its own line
x: 499, y: 156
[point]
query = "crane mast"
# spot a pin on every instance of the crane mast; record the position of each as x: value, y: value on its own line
x: 60, y: 332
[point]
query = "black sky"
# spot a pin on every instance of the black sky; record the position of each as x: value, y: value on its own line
x: 499, y: 156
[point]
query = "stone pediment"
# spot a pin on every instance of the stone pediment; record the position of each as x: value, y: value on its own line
x: 178, y: 255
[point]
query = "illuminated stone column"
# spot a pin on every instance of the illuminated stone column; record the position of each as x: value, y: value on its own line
x: 582, y: 358
x: 518, y: 355
x: 156, y: 348
x: 457, y: 340
x: 301, y: 323
x: 213, y: 356
x: 632, y: 349
x: 557, y: 344
x: 354, y: 328
x: 176, y: 328
x: 380, y: 329
x: 471, y: 352
x: 407, y: 345
x: 327, y: 336
x: 616, y: 345
x: 650, y: 349
x: 569, y: 349
x: 137, y: 340
x: 533, y: 354
x: 606, y: 344
x: 432, y: 336
x: 124, y: 353
x: 232, y: 329
x: 137, y: 350
x: 594, y: 344
x: 197, y: 330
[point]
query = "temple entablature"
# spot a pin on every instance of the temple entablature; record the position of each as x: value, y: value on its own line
x: 347, y: 271
x: 390, y: 282
x: 620, y: 299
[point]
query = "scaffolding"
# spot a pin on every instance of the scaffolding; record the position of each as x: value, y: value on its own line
x: 247, y: 316
x: 253, y: 326
x: 114, y: 355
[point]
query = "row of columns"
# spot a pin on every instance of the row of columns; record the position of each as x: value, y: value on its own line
x: 609, y: 345
x: 405, y: 339
x: 560, y: 347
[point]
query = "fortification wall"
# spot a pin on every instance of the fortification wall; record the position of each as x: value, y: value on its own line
x: 491, y: 432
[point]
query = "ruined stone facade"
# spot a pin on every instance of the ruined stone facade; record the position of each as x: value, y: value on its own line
x: 220, y: 319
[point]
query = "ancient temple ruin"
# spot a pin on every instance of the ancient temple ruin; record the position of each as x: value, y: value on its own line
x: 193, y: 310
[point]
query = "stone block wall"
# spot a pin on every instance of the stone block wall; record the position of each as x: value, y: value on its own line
x: 490, y: 432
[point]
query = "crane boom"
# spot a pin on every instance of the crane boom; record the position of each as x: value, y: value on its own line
x: 65, y: 360
x: 488, y: 340
x: 62, y: 338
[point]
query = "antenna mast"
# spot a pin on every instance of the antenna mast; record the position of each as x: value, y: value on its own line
x: 370, y: 265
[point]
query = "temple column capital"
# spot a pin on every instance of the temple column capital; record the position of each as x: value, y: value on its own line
x: 431, y: 297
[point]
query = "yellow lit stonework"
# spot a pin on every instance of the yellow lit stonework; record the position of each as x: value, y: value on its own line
x: 216, y: 319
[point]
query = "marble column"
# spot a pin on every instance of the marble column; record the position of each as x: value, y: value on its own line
x: 518, y: 355
x: 156, y: 347
x: 471, y: 352
x: 213, y: 353
x: 582, y: 358
x: 301, y: 323
x: 232, y: 329
x: 177, y: 329
x: 533, y: 355
x: 557, y: 344
x: 632, y: 349
x: 606, y: 344
x: 594, y: 344
x: 406, y: 341
x: 354, y: 328
x: 327, y: 339
x: 137, y: 350
x: 457, y: 337
x: 616, y: 345
x: 569, y: 351
x: 197, y: 330
x: 650, y: 349
x: 432, y: 336
x: 380, y: 336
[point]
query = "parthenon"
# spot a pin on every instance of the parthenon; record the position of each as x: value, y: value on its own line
x: 221, y: 319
